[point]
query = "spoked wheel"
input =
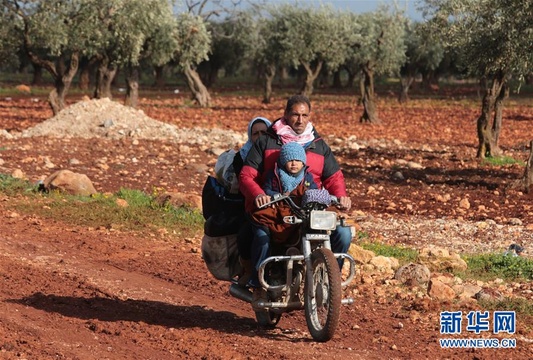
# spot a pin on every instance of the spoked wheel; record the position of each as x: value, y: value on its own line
x: 322, y: 310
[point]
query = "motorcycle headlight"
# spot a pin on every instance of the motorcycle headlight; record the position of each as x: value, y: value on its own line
x: 323, y: 220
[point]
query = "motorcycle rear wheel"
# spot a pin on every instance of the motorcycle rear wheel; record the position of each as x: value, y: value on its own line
x: 322, y: 311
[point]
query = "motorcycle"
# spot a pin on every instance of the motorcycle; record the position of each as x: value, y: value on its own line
x: 304, y: 273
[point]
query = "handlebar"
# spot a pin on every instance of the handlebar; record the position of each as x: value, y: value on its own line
x: 275, y: 199
x: 333, y: 200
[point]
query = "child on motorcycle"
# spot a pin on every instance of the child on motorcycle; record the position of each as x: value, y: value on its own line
x: 289, y: 177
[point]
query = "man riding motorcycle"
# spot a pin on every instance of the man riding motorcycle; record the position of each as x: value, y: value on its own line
x: 293, y: 126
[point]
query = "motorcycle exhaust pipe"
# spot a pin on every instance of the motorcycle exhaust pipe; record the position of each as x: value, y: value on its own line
x: 240, y: 293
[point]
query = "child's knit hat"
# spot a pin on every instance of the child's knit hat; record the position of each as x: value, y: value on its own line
x: 292, y: 151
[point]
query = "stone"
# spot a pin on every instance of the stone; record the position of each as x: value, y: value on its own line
x: 360, y: 255
x: 488, y: 294
x: 409, y: 273
x: 470, y: 290
x: 69, y: 182
x: 464, y: 204
x: 440, y: 291
x: 515, y: 221
x: 122, y: 203
x: 414, y: 165
x: 398, y: 176
x: 180, y: 199
x: 382, y: 264
x: 18, y: 174
x: 23, y: 88
x: 439, y: 259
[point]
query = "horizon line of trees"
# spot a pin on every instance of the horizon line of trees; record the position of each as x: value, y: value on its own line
x: 491, y: 41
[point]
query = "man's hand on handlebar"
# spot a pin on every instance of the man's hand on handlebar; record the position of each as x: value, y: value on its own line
x: 345, y: 203
x: 262, y: 199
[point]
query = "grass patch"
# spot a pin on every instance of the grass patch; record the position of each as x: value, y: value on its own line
x: 142, y: 214
x: 362, y: 236
x: 520, y: 305
x: 403, y: 254
x: 11, y: 186
x: 492, y: 266
x: 501, y: 161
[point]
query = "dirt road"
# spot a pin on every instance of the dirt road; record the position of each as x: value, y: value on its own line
x: 74, y: 293
x: 69, y: 292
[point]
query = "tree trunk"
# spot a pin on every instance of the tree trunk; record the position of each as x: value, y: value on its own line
x: 351, y: 79
x: 430, y: 80
x: 60, y: 72
x: 198, y: 89
x: 284, y: 75
x: 528, y: 174
x: 37, y: 75
x: 405, y: 85
x: 86, y: 70
x: 488, y: 146
x: 85, y: 79
x: 337, y: 83
x: 323, y: 79
x: 116, y: 77
x: 132, y: 90
x: 104, y: 77
x: 159, y: 81
x: 310, y: 77
x: 368, y: 96
x: 498, y: 116
x: 63, y: 80
x: 529, y: 79
x: 270, y: 73
x: 212, y: 77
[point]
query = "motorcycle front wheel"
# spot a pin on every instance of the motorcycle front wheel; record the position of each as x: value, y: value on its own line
x: 322, y: 308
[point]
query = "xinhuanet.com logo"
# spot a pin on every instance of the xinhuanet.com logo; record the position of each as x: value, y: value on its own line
x: 478, y: 343
x: 451, y: 323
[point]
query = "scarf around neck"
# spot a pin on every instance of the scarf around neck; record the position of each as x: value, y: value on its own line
x: 289, y: 181
x: 287, y: 134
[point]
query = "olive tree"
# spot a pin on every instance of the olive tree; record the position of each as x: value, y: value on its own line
x: 130, y: 31
x: 194, y: 43
x: 9, y: 41
x: 230, y: 43
x: 308, y: 37
x: 494, y: 42
x: 424, y: 55
x: 379, y: 51
x: 148, y: 32
x: 53, y: 34
x: 267, y: 55
x: 195, y: 39
x: 258, y: 33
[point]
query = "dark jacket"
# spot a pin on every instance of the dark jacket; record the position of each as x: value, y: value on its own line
x: 238, y: 162
x: 264, y: 155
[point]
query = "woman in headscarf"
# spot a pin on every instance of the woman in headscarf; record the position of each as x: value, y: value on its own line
x: 224, y: 212
x: 256, y: 127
